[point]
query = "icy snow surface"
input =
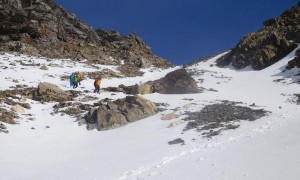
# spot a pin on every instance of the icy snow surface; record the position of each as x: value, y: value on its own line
x: 267, y: 148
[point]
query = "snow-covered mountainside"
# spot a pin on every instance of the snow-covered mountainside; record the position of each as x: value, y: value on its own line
x: 53, y: 146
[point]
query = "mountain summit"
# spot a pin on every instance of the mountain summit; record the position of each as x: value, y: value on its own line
x: 41, y: 27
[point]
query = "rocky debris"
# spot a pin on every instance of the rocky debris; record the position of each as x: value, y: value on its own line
x: 135, y: 89
x: 297, y: 98
x: 200, y: 72
x: 130, y: 71
x: 7, y: 116
x: 72, y: 109
x: 104, y: 73
x: 41, y: 27
x: 218, y: 117
x: 176, y: 141
x: 203, y: 59
x: 48, y: 92
x: 17, y: 93
x: 268, y: 45
x: 295, y: 62
x: 15, y: 100
x: 114, y: 114
x: 3, y: 128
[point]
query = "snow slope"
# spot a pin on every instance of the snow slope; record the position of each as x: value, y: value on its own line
x: 263, y: 149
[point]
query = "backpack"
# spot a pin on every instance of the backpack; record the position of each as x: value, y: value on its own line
x: 97, y: 82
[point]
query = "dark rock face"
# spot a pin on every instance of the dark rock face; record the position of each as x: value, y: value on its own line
x: 176, y: 82
x: 49, y: 92
x: 295, y: 62
x: 41, y: 27
x: 114, y: 114
x: 265, y: 47
x: 218, y: 117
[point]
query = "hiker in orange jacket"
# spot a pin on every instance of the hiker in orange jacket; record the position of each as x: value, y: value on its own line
x: 97, y: 85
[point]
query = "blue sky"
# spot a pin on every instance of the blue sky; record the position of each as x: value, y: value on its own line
x: 180, y: 30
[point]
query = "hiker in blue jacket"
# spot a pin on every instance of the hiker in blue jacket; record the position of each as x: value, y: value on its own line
x: 71, y: 78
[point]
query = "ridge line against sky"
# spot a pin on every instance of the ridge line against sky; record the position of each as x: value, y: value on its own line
x: 180, y: 31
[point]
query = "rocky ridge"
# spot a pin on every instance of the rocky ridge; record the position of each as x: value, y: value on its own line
x: 268, y: 45
x: 43, y: 28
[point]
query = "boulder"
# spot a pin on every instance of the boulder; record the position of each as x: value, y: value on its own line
x: 176, y: 82
x: 113, y: 114
x: 18, y: 109
x: 49, y: 92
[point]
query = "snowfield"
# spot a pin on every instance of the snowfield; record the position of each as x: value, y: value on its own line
x: 267, y: 148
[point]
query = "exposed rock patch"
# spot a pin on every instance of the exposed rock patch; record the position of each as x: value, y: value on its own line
x: 3, y: 128
x: 16, y: 100
x: 7, y: 116
x: 213, y: 119
x: 72, y: 109
x: 295, y: 62
x: 176, y: 141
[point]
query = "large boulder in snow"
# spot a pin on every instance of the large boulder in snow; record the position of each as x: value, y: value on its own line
x: 113, y: 114
x: 176, y: 82
x: 50, y: 92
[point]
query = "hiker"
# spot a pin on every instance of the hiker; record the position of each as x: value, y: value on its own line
x: 71, y: 77
x: 80, y: 77
x: 75, y: 82
x: 97, y: 85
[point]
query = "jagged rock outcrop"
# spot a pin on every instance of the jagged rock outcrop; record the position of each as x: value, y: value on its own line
x: 48, y: 92
x: 41, y: 27
x: 265, y: 47
x: 114, y: 114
